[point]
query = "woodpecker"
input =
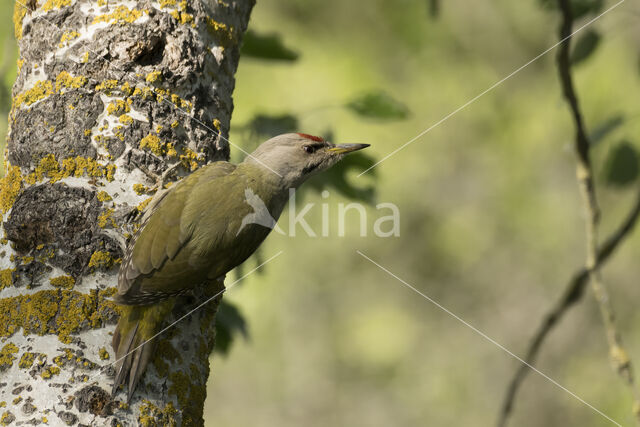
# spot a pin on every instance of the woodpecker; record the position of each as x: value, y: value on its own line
x: 198, y: 231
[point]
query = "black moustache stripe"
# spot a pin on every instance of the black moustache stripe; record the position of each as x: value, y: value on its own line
x: 308, y: 169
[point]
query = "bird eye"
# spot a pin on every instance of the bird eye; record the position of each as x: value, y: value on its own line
x: 308, y: 149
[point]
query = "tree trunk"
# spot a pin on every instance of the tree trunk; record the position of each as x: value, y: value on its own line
x: 99, y: 110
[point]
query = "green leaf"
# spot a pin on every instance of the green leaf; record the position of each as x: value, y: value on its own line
x: 585, y: 46
x: 621, y: 166
x: 336, y: 178
x: 434, y: 8
x: 229, y: 323
x: 266, y: 46
x: 378, y: 105
x: 266, y: 126
x: 579, y: 8
x: 602, y: 130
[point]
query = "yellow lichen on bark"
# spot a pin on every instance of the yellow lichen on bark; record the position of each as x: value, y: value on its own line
x: 220, y: 31
x: 50, y: 372
x: 142, y: 206
x: 63, y: 282
x: 154, y: 76
x: 103, y: 196
x: 107, y: 86
x: 68, y: 36
x: 40, y: 90
x: 120, y: 15
x: 6, y: 277
x: 118, y: 107
x: 140, y: 189
x: 125, y: 119
x: 7, y: 356
x: 102, y: 260
x: 26, y: 361
x: 59, y: 312
x: 55, y: 4
x: 104, y: 354
x: 65, y: 80
x: 19, y: 12
x: 78, y: 166
x: 190, y: 159
x: 153, y: 416
x: 10, y: 187
x: 154, y: 144
x: 7, y: 418
x: 105, y: 219
x: 45, y: 88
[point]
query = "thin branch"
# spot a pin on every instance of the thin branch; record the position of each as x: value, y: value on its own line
x: 584, y: 172
x: 572, y: 294
x: 595, y: 256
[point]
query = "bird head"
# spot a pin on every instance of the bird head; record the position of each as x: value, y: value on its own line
x: 297, y: 156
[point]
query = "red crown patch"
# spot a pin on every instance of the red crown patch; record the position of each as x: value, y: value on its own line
x: 311, y: 137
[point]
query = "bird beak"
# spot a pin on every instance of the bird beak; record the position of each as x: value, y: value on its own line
x: 346, y: 148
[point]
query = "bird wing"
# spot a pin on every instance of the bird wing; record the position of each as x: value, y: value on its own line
x: 159, y: 242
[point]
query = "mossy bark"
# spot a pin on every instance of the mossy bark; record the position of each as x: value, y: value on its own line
x: 104, y: 101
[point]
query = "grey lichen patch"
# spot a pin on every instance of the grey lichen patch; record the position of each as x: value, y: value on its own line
x: 34, y: 363
x: 55, y: 129
x: 95, y: 400
x: 75, y: 358
x: 68, y: 418
x: 29, y: 272
x: 28, y: 407
x: 63, y: 218
x: 48, y: 31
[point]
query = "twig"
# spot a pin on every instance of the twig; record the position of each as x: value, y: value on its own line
x: 618, y: 355
x: 572, y: 294
x: 595, y: 256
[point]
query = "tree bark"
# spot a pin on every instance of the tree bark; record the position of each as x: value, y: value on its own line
x: 101, y: 106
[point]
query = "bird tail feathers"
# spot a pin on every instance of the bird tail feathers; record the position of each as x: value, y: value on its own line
x: 134, y: 342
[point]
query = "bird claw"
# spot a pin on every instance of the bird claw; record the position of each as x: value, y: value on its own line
x: 159, y: 180
x: 132, y: 215
x: 163, y: 179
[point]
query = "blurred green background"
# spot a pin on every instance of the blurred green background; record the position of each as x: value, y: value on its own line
x: 491, y: 221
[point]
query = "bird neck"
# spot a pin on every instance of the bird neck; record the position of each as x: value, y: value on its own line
x: 270, y: 187
x: 271, y: 179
